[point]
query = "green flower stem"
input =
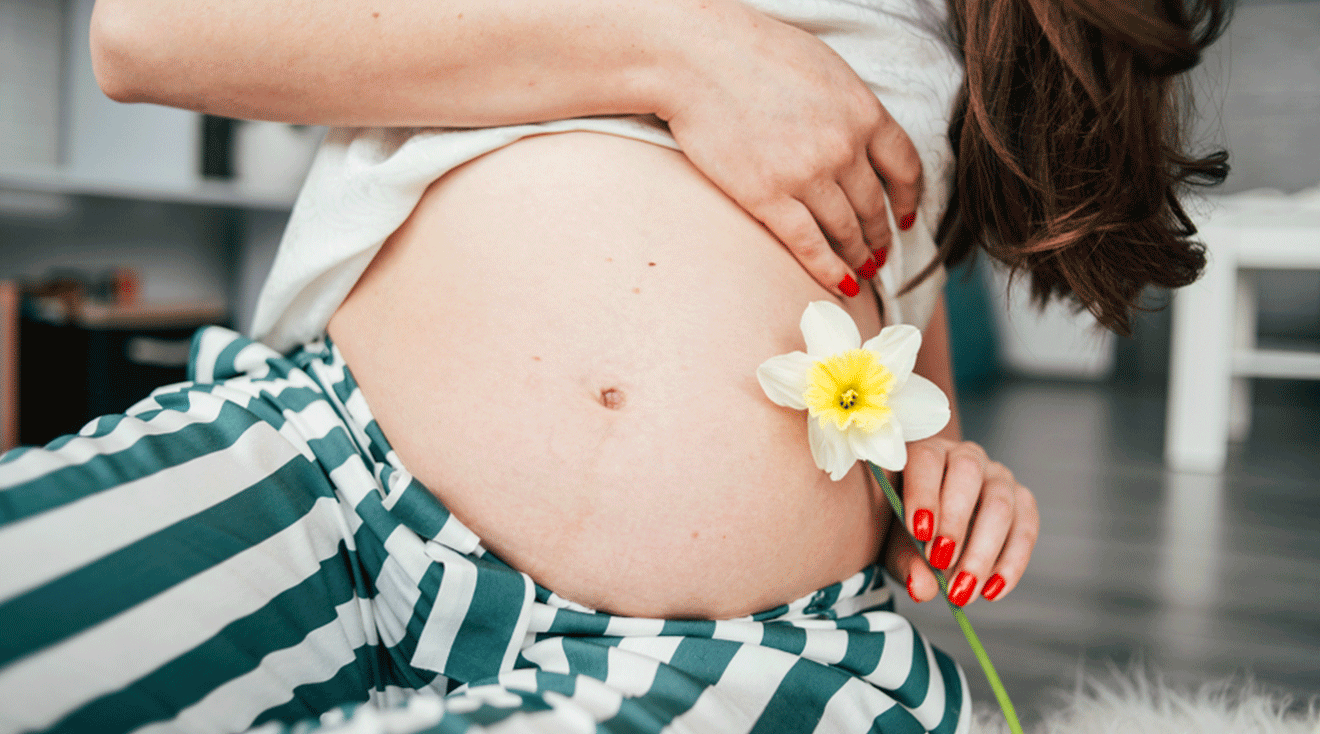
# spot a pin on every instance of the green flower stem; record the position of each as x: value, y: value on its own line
x: 1005, y: 705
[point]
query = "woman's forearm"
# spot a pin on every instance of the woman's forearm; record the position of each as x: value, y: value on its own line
x: 400, y: 62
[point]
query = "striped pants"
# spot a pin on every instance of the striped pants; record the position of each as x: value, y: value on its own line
x: 246, y: 551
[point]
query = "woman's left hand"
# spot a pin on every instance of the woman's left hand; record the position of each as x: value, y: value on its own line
x: 980, y: 524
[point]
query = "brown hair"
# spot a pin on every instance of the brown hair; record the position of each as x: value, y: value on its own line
x: 1068, y: 136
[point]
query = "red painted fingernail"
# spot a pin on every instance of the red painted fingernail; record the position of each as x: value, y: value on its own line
x: 907, y: 221
x: 923, y: 525
x: 881, y: 256
x: 941, y: 554
x: 910, y: 592
x: 849, y: 286
x: 993, y: 587
x: 868, y: 268
x: 963, y: 586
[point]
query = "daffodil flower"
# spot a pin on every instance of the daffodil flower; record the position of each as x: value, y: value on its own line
x: 863, y: 401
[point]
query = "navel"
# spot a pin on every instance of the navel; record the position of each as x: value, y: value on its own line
x: 612, y: 398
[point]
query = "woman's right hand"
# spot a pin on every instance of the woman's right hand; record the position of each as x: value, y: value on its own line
x: 782, y: 124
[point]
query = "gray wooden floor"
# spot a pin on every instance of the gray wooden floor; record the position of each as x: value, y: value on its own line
x: 1197, y: 576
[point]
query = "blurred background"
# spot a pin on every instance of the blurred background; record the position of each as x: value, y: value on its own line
x: 124, y: 227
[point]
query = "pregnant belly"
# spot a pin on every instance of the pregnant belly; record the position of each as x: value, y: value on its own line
x: 561, y: 343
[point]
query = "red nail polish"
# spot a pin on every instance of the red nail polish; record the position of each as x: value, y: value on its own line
x: 868, y: 268
x: 941, y: 554
x: 993, y: 587
x: 910, y: 592
x: 849, y: 286
x: 923, y: 525
x: 907, y: 221
x: 963, y: 586
x: 881, y: 257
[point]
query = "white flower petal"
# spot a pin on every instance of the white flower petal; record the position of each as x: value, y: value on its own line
x: 830, y: 449
x: 828, y: 329
x: 884, y: 446
x: 921, y: 408
x: 784, y: 378
x: 897, y: 346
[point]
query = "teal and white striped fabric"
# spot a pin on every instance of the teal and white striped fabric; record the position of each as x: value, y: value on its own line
x: 245, y: 550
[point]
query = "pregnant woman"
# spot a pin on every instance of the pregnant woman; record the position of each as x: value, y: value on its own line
x: 502, y: 460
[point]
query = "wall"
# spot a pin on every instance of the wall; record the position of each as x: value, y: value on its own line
x: 1267, y: 68
x: 1260, y: 95
x: 30, y: 71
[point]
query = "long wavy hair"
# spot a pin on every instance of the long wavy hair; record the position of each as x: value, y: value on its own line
x: 1069, y: 139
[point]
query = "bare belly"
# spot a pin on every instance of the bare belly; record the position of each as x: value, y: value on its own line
x: 561, y: 343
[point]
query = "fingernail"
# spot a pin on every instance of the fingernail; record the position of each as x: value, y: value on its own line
x: 868, y: 268
x: 907, y: 221
x: 941, y: 554
x: 881, y: 257
x: 849, y: 286
x: 923, y: 525
x: 910, y: 592
x: 963, y: 586
x: 992, y: 587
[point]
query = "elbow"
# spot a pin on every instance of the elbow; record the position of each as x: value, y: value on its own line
x: 119, y: 46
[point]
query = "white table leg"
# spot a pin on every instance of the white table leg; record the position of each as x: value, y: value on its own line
x: 1244, y: 338
x: 1196, y: 429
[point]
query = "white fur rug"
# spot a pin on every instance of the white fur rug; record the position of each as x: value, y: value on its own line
x: 1136, y: 703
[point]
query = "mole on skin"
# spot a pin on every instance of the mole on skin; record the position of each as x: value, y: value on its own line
x: 612, y: 398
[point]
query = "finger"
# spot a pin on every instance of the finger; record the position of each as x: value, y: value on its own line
x: 964, y: 475
x: 904, y: 561
x: 994, y: 517
x: 790, y: 221
x: 922, y: 478
x: 1017, y: 549
x: 867, y: 195
x: 895, y: 158
x: 834, y: 213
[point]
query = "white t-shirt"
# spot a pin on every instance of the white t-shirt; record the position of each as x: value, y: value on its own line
x: 364, y: 182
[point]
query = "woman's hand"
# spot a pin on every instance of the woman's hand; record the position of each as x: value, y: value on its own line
x: 787, y: 129
x: 980, y: 523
